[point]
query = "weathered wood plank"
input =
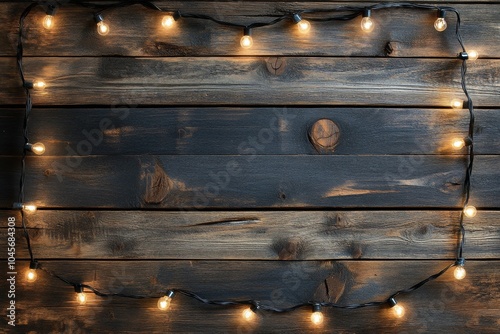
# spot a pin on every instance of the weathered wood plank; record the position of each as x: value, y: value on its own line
x: 229, y: 81
x: 254, y: 235
x: 50, y: 306
x: 209, y: 131
x: 410, y: 33
x: 250, y: 181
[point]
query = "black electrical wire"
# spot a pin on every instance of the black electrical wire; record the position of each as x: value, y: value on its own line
x: 343, y: 13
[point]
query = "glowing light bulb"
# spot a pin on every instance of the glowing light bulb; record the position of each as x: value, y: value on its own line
x: 367, y: 24
x: 459, y: 272
x: 458, y: 143
x: 168, y: 21
x: 457, y: 104
x: 164, y: 301
x: 81, y: 298
x: 38, y: 148
x: 399, y: 311
x: 246, y: 42
x: 39, y: 84
x: 29, y: 208
x: 473, y: 55
x: 304, y: 26
x: 31, y: 275
x: 317, y: 316
x: 248, y: 314
x: 48, y: 21
x: 470, y: 211
x: 102, y: 28
x: 440, y: 24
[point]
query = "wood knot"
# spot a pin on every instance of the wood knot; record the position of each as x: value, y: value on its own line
x: 276, y: 65
x: 324, y: 135
x: 289, y: 249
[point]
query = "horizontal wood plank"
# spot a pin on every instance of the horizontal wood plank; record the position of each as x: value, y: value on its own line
x: 50, y: 306
x: 257, y: 235
x: 250, y: 181
x: 207, y: 131
x: 229, y: 81
x: 410, y: 33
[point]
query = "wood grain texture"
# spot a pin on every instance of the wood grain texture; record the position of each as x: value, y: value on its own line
x: 437, y: 307
x: 228, y: 81
x: 137, y: 32
x: 250, y: 181
x: 257, y: 235
x: 211, y: 131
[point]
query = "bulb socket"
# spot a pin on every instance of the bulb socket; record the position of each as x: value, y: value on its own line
x: 98, y: 18
x: 176, y: 15
x: 51, y: 10
x: 170, y: 293
x: 78, y: 288
x: 367, y: 12
x: 316, y: 307
x: 468, y: 141
x: 460, y: 261
x: 247, y: 31
x: 392, y: 302
x: 34, y: 264
x: 441, y: 14
x: 28, y: 84
x: 463, y: 55
x: 17, y: 205
x: 296, y: 18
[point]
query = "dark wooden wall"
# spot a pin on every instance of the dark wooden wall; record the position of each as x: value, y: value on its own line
x: 199, y: 172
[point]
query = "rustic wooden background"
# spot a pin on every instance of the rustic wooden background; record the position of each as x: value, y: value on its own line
x: 201, y: 173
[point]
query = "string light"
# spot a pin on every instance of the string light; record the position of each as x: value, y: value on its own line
x: 366, y: 22
x: 168, y: 21
x: 397, y: 309
x: 81, y: 297
x: 48, y: 20
x: 246, y: 41
x: 37, y: 148
x: 303, y: 25
x: 31, y: 274
x: 459, y: 271
x: 459, y: 143
x: 249, y: 313
x: 102, y: 27
x: 470, y: 211
x: 28, y: 208
x: 457, y: 104
x: 164, y: 302
x: 317, y: 315
x: 440, y: 23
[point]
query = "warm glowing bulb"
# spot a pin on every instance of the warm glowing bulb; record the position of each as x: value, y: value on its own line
x: 31, y: 275
x: 473, y: 55
x: 367, y: 24
x: 457, y: 104
x: 304, y: 26
x: 458, y: 143
x: 167, y: 21
x: 29, y: 208
x: 399, y: 311
x: 48, y: 21
x: 39, y: 84
x: 81, y: 298
x: 470, y: 211
x: 317, y: 318
x: 440, y: 24
x: 246, y: 42
x: 248, y: 314
x: 38, y: 148
x: 164, y: 303
x: 459, y: 272
x: 102, y: 28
